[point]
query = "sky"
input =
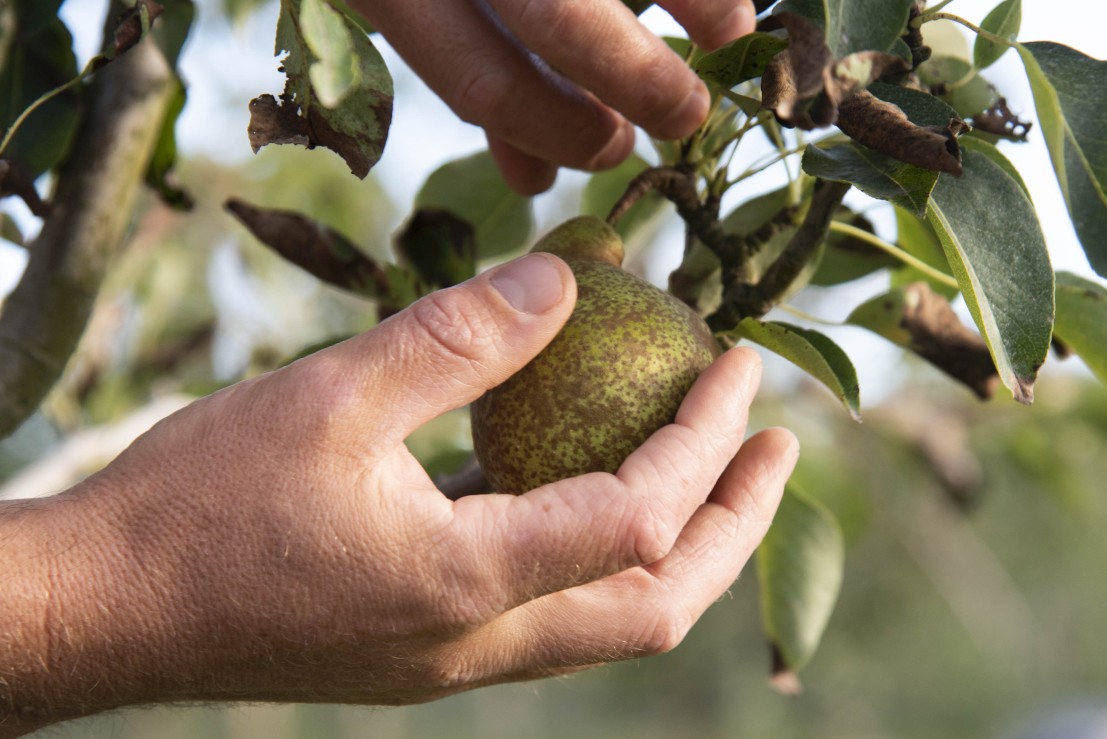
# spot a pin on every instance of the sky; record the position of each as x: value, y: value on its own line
x: 425, y: 133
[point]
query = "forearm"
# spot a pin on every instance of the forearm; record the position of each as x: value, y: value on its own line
x: 76, y: 637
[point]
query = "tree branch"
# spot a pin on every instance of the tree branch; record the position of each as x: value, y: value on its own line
x: 44, y: 317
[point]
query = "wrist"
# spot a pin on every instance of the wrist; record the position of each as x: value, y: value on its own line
x: 84, y: 631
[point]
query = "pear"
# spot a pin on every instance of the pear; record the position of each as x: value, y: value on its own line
x: 617, y: 371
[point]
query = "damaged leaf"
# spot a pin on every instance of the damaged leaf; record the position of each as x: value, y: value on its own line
x: 882, y: 126
x: 473, y: 190
x: 315, y: 248
x: 991, y: 236
x: 922, y: 321
x: 439, y: 246
x: 999, y: 120
x: 345, y: 105
x: 848, y: 26
x: 805, y: 84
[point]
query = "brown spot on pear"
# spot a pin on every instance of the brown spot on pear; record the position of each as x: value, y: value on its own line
x: 615, y: 374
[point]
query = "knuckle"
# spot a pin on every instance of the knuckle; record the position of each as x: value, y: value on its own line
x: 650, y: 534
x: 656, y: 88
x: 546, y: 21
x: 666, y: 631
x: 455, y: 327
x: 482, y: 93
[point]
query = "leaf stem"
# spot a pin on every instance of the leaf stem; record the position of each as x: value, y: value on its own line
x: 42, y: 100
x: 908, y: 259
x: 802, y: 314
x: 934, y: 16
x: 937, y: 7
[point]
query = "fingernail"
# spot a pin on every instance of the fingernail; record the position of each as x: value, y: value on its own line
x: 688, y: 115
x: 531, y: 284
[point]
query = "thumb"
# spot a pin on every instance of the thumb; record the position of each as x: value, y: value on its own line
x: 448, y: 348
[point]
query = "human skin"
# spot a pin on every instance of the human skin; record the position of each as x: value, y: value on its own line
x: 276, y: 541
x: 493, y: 62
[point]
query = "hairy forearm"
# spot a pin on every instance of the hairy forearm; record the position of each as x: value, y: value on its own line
x: 80, y: 630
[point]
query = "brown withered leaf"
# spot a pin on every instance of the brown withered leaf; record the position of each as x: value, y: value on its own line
x: 882, y: 126
x: 273, y: 122
x: 132, y: 26
x: 313, y: 247
x: 1000, y: 121
x: 939, y: 337
x: 804, y: 85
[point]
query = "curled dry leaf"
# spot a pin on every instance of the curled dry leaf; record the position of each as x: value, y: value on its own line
x: 323, y: 252
x: 882, y: 126
x: 134, y: 22
x: 937, y: 335
x: 804, y: 85
x: 998, y: 120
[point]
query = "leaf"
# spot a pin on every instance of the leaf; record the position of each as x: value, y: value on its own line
x: 993, y: 241
x: 799, y: 570
x: 918, y: 319
x: 9, y: 230
x: 875, y: 174
x: 335, y: 70
x: 1082, y: 320
x: 1004, y: 21
x: 317, y: 249
x: 346, y: 113
x: 956, y: 82
x: 1070, y: 95
x: 915, y: 236
x: 39, y: 59
x: 473, y: 190
x: 638, y: 6
x: 742, y: 59
x: 604, y: 189
x: 439, y: 246
x: 812, y: 352
x: 853, y: 25
x: 846, y: 258
x: 164, y: 156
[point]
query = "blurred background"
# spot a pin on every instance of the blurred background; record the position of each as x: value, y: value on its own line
x: 974, y: 598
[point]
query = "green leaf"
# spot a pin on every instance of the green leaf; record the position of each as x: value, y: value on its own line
x: 875, y: 174
x: 812, y: 352
x: 853, y: 25
x: 1082, y: 320
x: 638, y: 6
x: 1070, y: 95
x: 39, y: 59
x: 919, y: 107
x: 9, y: 230
x: 164, y: 156
x: 846, y: 258
x: 338, y: 92
x: 799, y: 571
x: 915, y: 236
x: 1003, y: 21
x: 473, y: 190
x: 740, y: 60
x: 989, y: 150
x: 439, y: 246
x: 961, y: 87
x: 335, y: 70
x: 604, y: 189
x: 993, y: 241
x: 172, y: 28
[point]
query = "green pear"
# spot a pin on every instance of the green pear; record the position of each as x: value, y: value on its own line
x: 615, y: 374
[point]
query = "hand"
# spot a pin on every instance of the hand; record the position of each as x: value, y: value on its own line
x: 277, y: 541
x: 557, y: 82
